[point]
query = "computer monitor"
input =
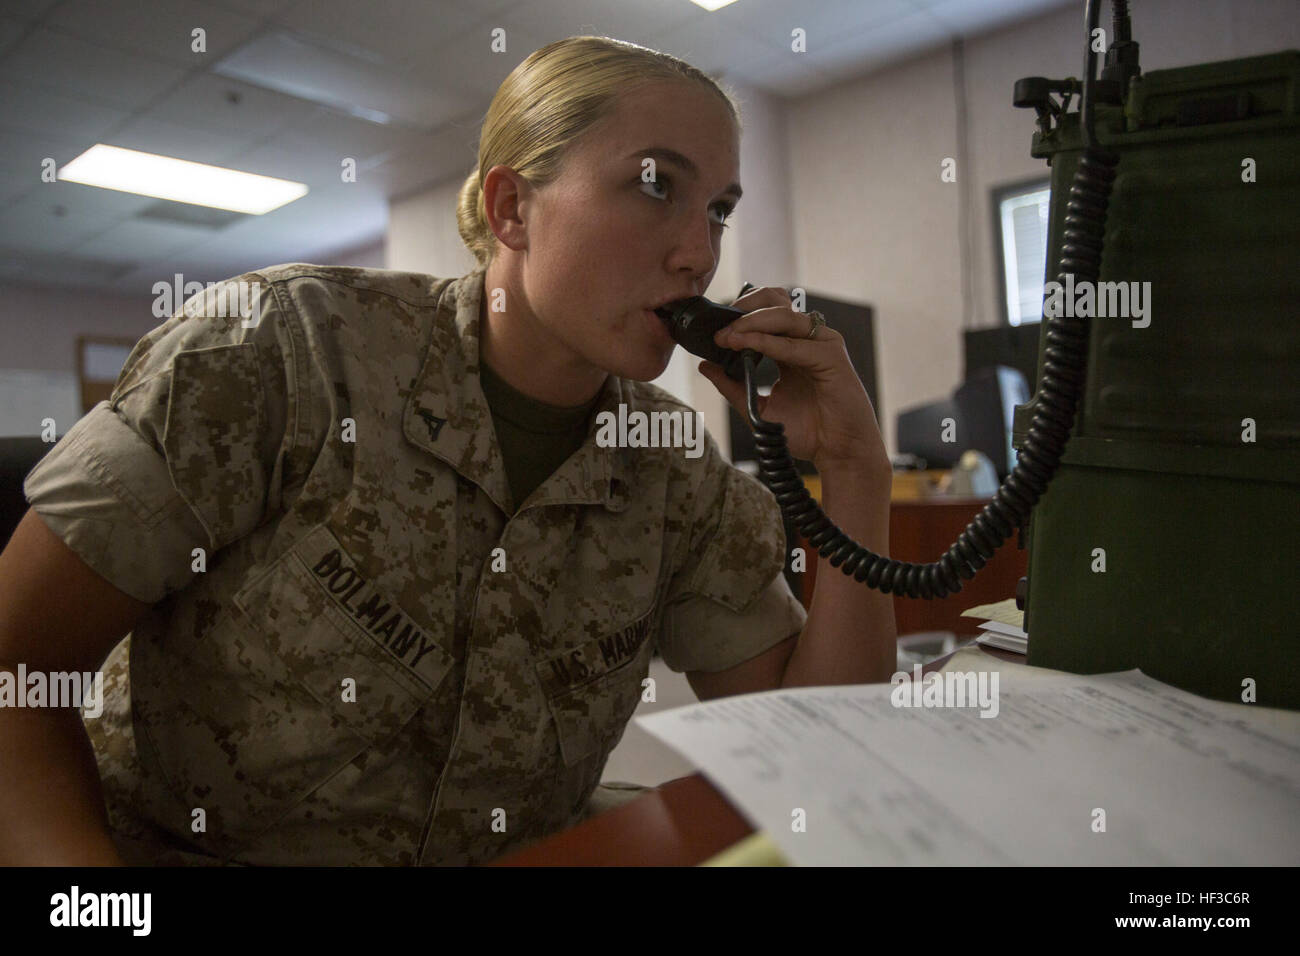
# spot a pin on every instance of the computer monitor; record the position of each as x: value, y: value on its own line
x: 987, y: 402
x: 1014, y: 345
x: 981, y: 411
x: 921, y: 431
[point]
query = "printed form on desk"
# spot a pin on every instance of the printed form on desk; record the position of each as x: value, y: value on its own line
x: 1107, y: 769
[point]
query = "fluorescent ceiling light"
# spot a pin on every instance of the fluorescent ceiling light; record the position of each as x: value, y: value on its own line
x: 712, y: 5
x: 148, y: 174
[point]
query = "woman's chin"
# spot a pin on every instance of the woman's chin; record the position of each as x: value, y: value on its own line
x: 647, y: 370
x: 643, y: 364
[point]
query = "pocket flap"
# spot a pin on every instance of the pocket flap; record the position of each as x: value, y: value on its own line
x: 593, y: 688
x: 357, y: 653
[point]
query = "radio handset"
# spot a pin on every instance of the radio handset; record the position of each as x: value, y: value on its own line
x: 693, y: 322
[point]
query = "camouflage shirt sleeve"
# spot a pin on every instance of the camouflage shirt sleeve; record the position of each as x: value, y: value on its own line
x: 191, y: 450
x: 729, y: 601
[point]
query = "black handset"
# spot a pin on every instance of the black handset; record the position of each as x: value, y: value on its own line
x: 693, y: 322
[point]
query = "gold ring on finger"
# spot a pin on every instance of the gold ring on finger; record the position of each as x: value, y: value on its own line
x: 818, y: 320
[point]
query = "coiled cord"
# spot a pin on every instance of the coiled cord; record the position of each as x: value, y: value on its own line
x: 1064, y: 365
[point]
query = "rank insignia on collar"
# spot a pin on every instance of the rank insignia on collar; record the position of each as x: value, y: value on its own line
x: 433, y: 421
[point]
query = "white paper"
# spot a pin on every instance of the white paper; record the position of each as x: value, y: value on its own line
x: 1016, y: 645
x: 1008, y: 629
x: 1004, y: 612
x: 1181, y: 780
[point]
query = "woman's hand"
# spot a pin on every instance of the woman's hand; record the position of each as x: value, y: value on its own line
x: 819, y: 398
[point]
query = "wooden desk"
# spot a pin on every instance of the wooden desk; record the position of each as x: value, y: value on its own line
x: 681, y: 823
x: 921, y: 530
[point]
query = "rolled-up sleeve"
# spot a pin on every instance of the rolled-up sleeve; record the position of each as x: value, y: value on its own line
x: 186, y: 453
x: 729, y: 601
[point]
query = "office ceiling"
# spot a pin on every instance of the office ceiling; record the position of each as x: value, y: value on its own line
x: 291, y: 88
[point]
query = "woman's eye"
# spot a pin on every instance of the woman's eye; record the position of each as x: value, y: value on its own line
x: 723, y: 210
x: 654, y: 183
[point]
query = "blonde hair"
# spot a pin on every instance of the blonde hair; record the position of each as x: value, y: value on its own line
x: 550, y: 100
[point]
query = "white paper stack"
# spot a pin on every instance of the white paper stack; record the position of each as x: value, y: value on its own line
x: 1004, y: 628
x: 1045, y: 768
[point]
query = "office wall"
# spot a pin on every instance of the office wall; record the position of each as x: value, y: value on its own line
x: 40, y: 324
x: 872, y: 220
x: 373, y: 255
x: 38, y: 371
x: 422, y: 234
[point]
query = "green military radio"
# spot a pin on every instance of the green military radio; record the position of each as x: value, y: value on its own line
x: 1167, y: 538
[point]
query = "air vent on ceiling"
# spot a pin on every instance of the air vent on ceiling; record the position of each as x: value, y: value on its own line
x: 188, y: 214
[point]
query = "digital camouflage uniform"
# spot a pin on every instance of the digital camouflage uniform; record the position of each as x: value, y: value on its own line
x: 480, y: 695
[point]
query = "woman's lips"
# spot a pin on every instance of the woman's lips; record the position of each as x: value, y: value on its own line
x: 658, y: 323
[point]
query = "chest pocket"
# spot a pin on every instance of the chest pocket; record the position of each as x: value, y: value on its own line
x: 324, y: 667
x: 593, y: 689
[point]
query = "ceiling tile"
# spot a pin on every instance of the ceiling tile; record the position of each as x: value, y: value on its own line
x: 489, y: 8
x: 10, y: 31
x: 299, y: 67
x: 29, y: 107
x: 316, y: 168
x: 861, y: 52
x: 11, y: 188
x: 133, y: 240
x: 713, y: 45
x: 160, y: 30
x: 189, y: 215
x: 468, y: 62
x: 970, y: 17
x: 60, y: 215
x: 256, y: 8
x: 342, y: 217
x: 204, y: 102
x: 637, y: 21
x: 94, y: 204
x: 389, y: 33
x: 63, y: 62
x: 27, y: 9
x: 22, y: 152
x: 56, y: 269
x: 334, y: 137
x: 794, y: 76
x: 823, y: 21
x: 306, y: 222
x: 217, y: 148
x: 450, y: 153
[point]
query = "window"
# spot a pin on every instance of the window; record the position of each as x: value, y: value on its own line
x: 1021, y: 225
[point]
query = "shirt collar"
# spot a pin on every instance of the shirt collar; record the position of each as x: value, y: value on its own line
x: 448, y: 416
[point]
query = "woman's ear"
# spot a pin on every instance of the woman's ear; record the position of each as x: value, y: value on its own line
x: 505, y: 198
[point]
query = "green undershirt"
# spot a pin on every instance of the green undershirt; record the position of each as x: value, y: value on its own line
x: 535, y: 438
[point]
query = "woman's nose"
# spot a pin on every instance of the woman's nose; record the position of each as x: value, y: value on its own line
x: 696, y: 247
